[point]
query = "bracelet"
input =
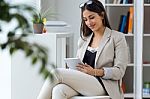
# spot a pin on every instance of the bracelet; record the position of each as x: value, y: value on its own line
x: 103, y: 72
x: 96, y: 70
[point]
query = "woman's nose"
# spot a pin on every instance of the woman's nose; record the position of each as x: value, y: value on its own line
x: 89, y: 22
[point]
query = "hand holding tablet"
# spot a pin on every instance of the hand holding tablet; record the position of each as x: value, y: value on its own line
x: 72, y: 62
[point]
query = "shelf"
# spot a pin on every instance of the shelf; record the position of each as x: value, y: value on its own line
x: 146, y: 96
x: 146, y: 5
x: 129, y: 34
x: 128, y: 95
x: 130, y: 65
x: 145, y: 65
x: 145, y: 35
x: 58, y: 35
x: 123, y: 5
x: 131, y: 95
x: 118, y: 5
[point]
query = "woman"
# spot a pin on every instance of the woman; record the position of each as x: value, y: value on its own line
x: 104, y: 52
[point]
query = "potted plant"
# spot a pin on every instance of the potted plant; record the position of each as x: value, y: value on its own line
x: 38, y: 23
x: 39, y: 20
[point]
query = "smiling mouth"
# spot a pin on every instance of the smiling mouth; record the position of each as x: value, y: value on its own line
x: 91, y: 27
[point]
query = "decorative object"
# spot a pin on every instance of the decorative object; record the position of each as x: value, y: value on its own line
x: 38, y: 28
x: 39, y: 20
x: 38, y: 23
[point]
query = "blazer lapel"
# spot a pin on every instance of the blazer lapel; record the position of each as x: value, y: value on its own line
x: 105, y: 38
x: 88, y: 39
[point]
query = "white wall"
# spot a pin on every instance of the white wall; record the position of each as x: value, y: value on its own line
x: 69, y: 11
x: 26, y: 82
x: 5, y: 64
x: 63, y: 11
x: 49, y: 4
x: 5, y: 74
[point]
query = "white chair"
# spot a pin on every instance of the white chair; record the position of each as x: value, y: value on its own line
x: 90, y: 97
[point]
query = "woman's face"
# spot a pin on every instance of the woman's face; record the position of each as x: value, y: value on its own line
x: 92, y: 20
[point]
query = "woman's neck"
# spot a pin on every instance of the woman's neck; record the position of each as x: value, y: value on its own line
x: 99, y: 32
x: 97, y: 38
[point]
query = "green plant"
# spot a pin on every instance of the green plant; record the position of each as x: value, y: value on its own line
x: 14, y: 42
x: 40, y: 17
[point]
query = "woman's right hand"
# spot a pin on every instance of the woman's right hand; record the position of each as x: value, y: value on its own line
x: 86, y: 69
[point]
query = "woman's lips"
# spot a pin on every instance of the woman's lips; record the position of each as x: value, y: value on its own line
x: 91, y: 26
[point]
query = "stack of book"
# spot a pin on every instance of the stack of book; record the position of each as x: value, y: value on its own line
x: 122, y: 1
x: 126, y: 22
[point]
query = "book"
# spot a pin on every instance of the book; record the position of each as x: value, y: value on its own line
x: 125, y: 2
x: 124, y: 20
x: 115, y: 2
x: 118, y: 2
x: 130, y: 25
x: 72, y: 62
x: 121, y: 1
x: 127, y: 23
x: 122, y: 24
x: 130, y: 1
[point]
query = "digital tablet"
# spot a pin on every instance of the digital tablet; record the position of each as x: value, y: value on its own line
x: 72, y: 62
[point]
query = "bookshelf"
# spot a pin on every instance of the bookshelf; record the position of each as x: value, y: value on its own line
x: 119, y: 5
x: 114, y: 12
x: 146, y: 47
x: 144, y: 65
x: 131, y: 95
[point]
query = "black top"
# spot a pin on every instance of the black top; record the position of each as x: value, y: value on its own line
x: 89, y: 58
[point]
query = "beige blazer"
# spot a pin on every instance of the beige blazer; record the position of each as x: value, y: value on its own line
x: 113, y: 55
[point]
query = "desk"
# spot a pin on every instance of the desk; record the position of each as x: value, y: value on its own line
x: 56, y: 44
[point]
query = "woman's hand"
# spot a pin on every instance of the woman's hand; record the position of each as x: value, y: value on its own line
x: 86, y: 69
x: 89, y: 70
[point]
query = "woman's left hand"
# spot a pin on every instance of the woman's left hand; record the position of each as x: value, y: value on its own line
x: 85, y: 68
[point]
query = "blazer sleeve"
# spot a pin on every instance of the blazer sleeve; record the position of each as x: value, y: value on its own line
x: 120, y: 60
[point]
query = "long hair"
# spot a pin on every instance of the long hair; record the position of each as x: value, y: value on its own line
x: 94, y: 6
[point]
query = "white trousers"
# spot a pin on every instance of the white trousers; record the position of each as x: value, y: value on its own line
x: 68, y: 83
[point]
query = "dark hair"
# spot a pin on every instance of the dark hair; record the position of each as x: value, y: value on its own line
x: 94, y: 6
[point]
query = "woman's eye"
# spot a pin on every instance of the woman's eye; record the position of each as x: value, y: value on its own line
x: 84, y: 19
x: 92, y: 17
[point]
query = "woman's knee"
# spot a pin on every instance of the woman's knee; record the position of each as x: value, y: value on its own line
x: 58, y: 91
x: 63, y: 91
